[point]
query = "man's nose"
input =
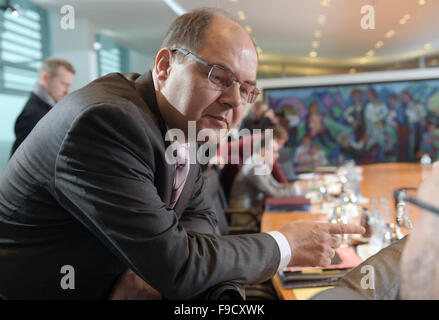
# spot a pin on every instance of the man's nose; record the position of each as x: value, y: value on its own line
x: 232, y: 96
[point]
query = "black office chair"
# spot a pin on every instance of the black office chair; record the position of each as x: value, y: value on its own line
x: 263, y: 291
x: 224, y: 213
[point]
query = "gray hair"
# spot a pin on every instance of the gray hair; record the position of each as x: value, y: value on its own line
x: 187, y: 30
x: 420, y: 266
x: 51, y: 66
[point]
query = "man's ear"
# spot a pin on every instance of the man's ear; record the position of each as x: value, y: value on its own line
x: 162, y: 66
x: 44, y: 79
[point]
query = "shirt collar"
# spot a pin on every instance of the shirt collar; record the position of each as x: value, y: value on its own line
x: 43, y: 94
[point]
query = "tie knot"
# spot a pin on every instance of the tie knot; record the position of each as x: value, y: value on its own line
x: 182, y: 155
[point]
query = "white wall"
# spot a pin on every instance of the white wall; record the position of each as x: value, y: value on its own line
x: 76, y: 46
x: 363, y: 77
x: 139, y: 62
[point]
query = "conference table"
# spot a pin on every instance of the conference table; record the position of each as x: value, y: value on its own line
x: 379, y: 181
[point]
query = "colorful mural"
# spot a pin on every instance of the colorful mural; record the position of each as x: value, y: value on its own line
x: 368, y: 123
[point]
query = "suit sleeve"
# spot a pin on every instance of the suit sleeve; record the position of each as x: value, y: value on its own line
x: 104, y: 176
x: 264, y: 184
x: 199, y: 216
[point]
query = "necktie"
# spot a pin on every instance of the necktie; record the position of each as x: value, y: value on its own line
x: 181, y: 172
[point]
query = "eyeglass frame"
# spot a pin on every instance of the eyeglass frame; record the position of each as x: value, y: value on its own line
x: 399, y: 194
x: 189, y: 54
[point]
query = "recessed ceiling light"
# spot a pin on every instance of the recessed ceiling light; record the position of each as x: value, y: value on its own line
x: 315, y: 44
x: 363, y: 60
x: 403, y: 21
x: 241, y: 15
x: 427, y: 46
x: 321, y: 19
x: 390, y: 33
x: 379, y: 44
x: 317, y: 34
x: 97, y: 46
x: 325, y: 3
x: 370, y: 53
x: 422, y: 2
x: 248, y: 28
x: 313, y: 54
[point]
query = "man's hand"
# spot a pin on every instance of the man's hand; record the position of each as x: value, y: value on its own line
x: 313, y: 243
x: 131, y: 287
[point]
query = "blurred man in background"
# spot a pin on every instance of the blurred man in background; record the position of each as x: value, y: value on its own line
x: 55, y: 78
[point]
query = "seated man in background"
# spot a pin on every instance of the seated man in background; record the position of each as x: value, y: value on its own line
x: 259, y: 117
x: 249, y: 188
x: 55, y: 77
x: 230, y: 167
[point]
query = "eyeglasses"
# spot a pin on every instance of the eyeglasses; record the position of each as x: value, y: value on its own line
x: 222, y: 78
x: 401, y: 195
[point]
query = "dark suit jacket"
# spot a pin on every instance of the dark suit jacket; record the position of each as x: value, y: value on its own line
x: 90, y: 188
x: 33, y: 111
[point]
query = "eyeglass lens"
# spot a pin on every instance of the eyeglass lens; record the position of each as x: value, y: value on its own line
x: 224, y: 79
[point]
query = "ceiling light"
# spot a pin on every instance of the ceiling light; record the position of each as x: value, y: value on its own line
x: 363, y: 60
x: 317, y: 34
x: 325, y: 3
x: 97, y: 46
x: 313, y: 54
x: 422, y: 2
x: 315, y: 44
x: 390, y: 34
x: 370, y: 53
x: 352, y: 70
x: 379, y: 44
x: 248, y: 28
x: 241, y: 15
x: 15, y: 10
x: 403, y: 21
x: 321, y: 19
x: 427, y: 46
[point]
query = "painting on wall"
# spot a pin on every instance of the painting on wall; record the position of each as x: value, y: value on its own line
x: 367, y: 123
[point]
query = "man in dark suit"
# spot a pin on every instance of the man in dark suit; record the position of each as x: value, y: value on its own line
x: 91, y: 192
x: 55, y: 77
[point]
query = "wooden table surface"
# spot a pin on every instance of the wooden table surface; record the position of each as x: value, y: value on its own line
x: 379, y: 180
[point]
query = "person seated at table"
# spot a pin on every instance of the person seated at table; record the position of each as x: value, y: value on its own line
x: 234, y: 156
x: 407, y: 269
x: 377, y: 278
x: 420, y: 259
x: 255, y: 181
x: 259, y: 117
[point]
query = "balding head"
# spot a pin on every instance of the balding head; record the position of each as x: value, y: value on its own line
x: 187, y: 90
x: 188, y: 30
x: 420, y: 259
